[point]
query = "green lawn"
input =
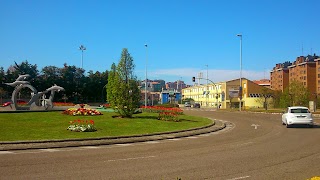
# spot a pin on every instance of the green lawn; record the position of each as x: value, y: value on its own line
x: 53, y: 125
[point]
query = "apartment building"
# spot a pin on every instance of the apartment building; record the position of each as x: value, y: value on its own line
x: 304, y: 70
x: 317, y: 75
x: 279, y: 76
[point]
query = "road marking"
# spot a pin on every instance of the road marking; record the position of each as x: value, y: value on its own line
x: 151, y: 142
x: 6, y: 152
x: 123, y: 144
x: 50, y: 150
x: 173, y: 139
x: 243, y: 177
x: 128, y: 159
x: 255, y: 126
x: 204, y: 135
x: 191, y: 137
x: 90, y: 147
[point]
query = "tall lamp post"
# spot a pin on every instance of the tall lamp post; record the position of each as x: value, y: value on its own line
x: 240, y: 87
x: 82, y: 48
x: 145, y: 90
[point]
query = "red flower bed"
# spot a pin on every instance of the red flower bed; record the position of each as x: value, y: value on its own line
x: 81, y: 112
x: 167, y: 114
x: 62, y: 104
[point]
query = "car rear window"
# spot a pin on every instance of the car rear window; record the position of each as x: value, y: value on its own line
x: 299, y: 110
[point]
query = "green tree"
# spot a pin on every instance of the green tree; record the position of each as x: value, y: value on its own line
x: 122, y: 89
x: 295, y: 95
x: 265, y: 94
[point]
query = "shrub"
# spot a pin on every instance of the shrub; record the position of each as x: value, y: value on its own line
x: 81, y: 126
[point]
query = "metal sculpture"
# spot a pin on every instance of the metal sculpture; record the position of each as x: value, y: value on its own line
x: 38, y: 100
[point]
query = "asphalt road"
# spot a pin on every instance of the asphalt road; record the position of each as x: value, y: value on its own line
x: 253, y: 146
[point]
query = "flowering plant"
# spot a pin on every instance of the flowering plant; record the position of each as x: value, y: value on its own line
x: 165, y: 113
x: 82, y: 126
x: 62, y: 104
x: 81, y: 112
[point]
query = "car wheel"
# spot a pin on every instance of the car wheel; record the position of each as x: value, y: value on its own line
x: 287, y: 125
x: 282, y: 123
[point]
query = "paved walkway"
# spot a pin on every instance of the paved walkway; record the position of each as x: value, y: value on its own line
x: 23, y: 145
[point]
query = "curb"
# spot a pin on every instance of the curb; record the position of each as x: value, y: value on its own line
x: 45, y: 144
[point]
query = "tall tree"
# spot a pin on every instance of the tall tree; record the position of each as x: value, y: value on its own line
x: 295, y: 94
x: 124, y: 93
x: 113, y: 81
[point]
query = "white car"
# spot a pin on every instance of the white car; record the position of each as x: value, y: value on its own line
x: 297, y: 115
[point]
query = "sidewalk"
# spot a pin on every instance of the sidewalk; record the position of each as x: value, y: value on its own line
x: 24, y: 145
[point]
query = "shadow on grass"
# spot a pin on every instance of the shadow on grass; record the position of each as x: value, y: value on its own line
x: 188, y: 120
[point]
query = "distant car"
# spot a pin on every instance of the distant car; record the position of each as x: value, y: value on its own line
x: 298, y: 115
x: 187, y: 104
x: 6, y: 104
x: 196, y: 105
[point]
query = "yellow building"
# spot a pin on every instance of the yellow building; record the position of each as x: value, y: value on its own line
x: 225, y: 95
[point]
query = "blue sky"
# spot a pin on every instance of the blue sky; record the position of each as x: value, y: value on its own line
x: 184, y: 37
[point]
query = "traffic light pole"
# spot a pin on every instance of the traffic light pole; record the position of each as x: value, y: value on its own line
x: 194, y: 78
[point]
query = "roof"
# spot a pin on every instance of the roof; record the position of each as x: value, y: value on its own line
x: 301, y: 107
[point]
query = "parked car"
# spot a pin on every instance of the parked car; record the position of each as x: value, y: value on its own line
x: 196, y: 105
x: 6, y: 104
x: 298, y: 115
x: 187, y: 104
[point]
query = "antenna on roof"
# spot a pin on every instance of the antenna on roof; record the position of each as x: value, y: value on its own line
x: 302, y: 48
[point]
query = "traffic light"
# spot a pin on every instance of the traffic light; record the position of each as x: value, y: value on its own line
x: 193, y: 79
x: 240, y: 92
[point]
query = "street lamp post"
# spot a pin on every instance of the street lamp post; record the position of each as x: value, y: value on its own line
x: 240, y: 87
x: 145, y: 88
x: 82, y: 48
x: 103, y: 100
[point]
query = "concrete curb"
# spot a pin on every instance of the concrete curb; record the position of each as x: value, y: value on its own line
x: 24, y: 145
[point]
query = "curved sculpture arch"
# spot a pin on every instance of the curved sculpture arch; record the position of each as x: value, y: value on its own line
x: 38, y: 100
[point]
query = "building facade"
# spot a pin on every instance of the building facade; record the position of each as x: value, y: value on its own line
x: 303, y: 70
x: 225, y: 95
x: 318, y: 74
x: 279, y: 77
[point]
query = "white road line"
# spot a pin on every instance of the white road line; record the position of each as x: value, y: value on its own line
x: 243, y: 177
x: 6, y: 152
x: 49, y: 150
x: 90, y: 147
x: 151, y: 142
x: 191, y: 137
x: 123, y: 145
x: 204, y: 135
x: 173, y: 139
x: 128, y: 159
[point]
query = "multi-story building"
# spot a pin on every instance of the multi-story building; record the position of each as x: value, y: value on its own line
x: 303, y: 70
x: 279, y: 76
x: 225, y: 95
x: 177, y: 85
x: 318, y: 75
